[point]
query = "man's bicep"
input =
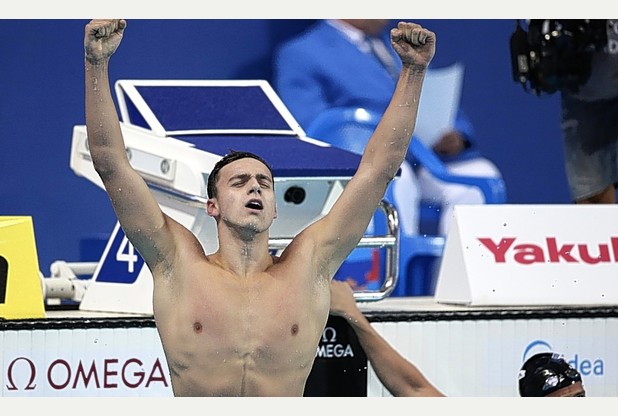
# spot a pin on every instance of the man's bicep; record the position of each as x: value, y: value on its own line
x: 345, y: 224
x: 137, y: 210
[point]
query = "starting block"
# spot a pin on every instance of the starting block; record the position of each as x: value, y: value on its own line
x: 175, y: 131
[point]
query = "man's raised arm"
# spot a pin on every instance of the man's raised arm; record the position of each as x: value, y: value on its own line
x: 341, y: 229
x: 136, y: 209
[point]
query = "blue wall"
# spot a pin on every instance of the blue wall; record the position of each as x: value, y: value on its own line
x: 42, y: 94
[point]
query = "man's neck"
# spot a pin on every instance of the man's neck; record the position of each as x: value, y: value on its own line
x: 242, y: 256
x: 353, y: 34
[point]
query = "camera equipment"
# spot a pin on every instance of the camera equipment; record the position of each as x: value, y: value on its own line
x: 555, y: 55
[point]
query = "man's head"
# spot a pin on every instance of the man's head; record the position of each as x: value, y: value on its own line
x: 549, y: 375
x: 241, y: 193
x: 211, y: 188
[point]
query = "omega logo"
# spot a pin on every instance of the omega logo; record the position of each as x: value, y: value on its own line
x: 30, y: 384
x: 333, y: 334
x: 329, y: 348
x: 108, y: 373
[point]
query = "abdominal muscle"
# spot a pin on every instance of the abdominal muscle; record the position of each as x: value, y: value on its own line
x: 226, y: 337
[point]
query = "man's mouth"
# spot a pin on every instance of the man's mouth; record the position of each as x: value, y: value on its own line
x: 255, y: 204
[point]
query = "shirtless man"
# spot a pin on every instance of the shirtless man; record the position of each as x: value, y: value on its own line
x: 240, y: 322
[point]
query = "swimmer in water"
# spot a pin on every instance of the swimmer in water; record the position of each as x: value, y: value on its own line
x: 239, y: 321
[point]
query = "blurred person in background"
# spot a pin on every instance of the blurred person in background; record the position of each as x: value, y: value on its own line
x: 350, y: 63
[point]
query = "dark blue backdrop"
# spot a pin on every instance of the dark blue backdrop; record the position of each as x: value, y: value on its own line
x: 42, y: 94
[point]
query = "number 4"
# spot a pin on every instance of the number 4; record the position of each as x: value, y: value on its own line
x: 129, y: 256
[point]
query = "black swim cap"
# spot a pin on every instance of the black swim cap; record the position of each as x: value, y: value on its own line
x: 545, y: 373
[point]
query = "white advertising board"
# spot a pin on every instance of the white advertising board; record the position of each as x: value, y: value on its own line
x: 464, y: 358
x: 482, y: 357
x: 531, y: 255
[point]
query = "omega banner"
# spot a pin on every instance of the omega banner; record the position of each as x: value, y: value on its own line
x: 531, y: 255
x: 125, y: 358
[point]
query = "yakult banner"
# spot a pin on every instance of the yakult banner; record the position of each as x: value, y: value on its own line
x: 531, y: 255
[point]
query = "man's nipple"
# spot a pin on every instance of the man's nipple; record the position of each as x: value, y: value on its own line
x: 294, y: 330
x: 197, y: 327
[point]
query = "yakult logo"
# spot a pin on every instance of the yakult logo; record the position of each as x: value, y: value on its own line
x: 108, y: 373
x: 552, y: 251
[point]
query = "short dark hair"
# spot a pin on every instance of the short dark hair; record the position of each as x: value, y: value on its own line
x: 232, y: 156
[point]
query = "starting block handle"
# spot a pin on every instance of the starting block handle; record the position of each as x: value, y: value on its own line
x: 390, y: 242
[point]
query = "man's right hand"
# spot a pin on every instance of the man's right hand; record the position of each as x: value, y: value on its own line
x: 414, y: 44
x: 101, y: 38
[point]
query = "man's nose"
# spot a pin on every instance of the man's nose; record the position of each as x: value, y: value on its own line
x: 255, y: 188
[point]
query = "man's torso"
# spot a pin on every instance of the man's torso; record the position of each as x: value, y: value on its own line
x: 226, y: 335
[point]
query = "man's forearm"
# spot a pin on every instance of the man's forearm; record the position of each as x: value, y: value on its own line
x: 397, y: 374
x: 102, y: 124
x: 389, y: 143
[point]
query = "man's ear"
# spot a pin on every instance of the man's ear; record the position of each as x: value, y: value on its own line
x: 275, y: 216
x: 212, y: 209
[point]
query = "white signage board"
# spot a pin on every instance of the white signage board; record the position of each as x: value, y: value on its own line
x: 531, y: 255
x: 481, y: 357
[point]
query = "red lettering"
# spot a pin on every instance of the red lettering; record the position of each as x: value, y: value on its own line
x: 139, y: 374
x: 9, y: 373
x: 60, y: 374
x: 49, y: 374
x: 528, y: 254
x: 107, y: 372
x: 86, y: 377
x: 157, y: 367
x: 498, y: 250
x: 587, y: 258
x: 552, y: 252
x: 555, y: 252
x: 615, y: 247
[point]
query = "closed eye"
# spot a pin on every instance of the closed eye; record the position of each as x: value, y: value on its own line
x: 241, y: 180
x: 264, y: 181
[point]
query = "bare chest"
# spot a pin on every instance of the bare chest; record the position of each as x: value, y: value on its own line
x: 263, y: 314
